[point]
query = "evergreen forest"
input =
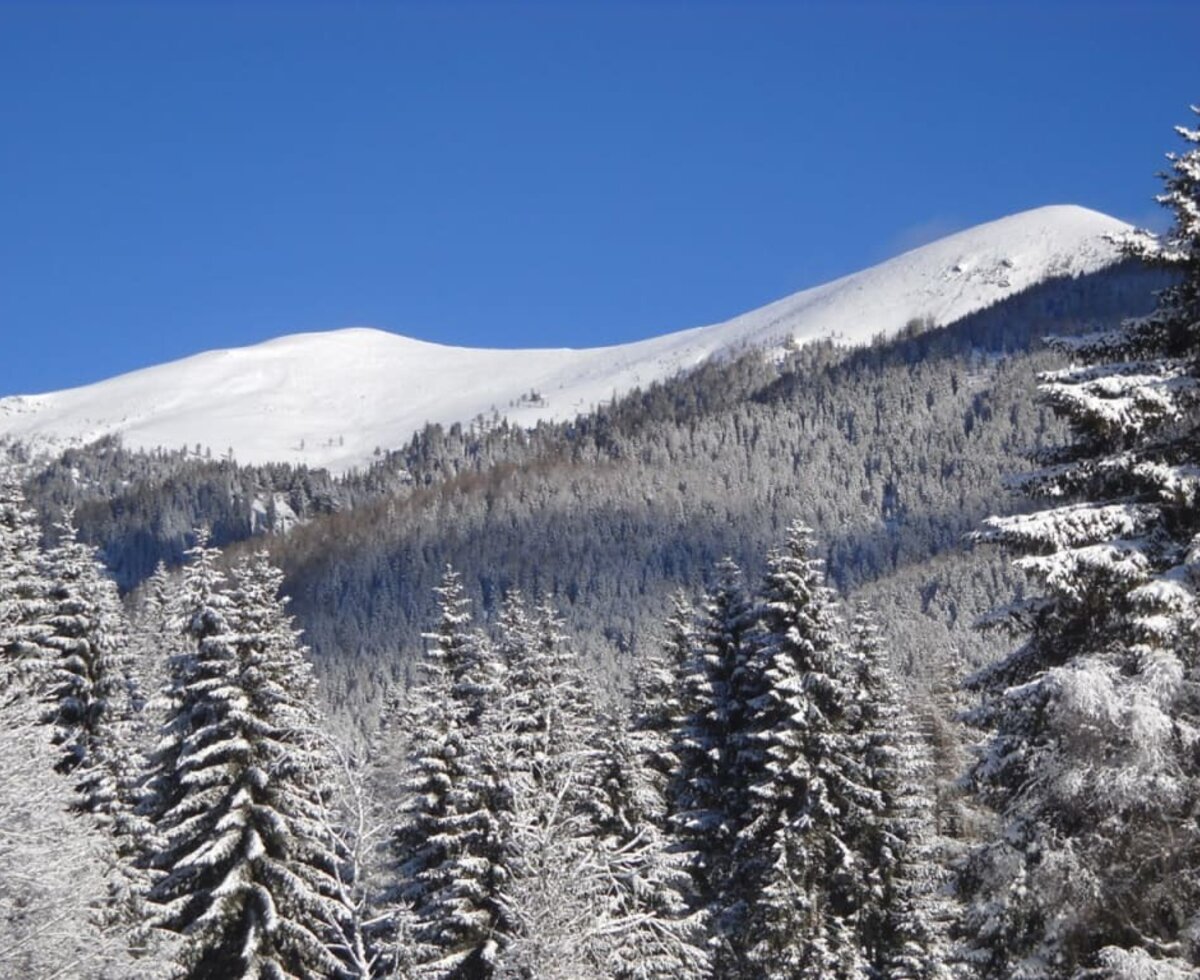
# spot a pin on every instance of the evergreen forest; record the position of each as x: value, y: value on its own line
x: 875, y: 662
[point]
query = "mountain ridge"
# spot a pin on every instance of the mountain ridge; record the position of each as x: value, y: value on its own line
x: 330, y: 399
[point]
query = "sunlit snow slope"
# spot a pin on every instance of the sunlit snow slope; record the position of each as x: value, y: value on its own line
x: 329, y: 399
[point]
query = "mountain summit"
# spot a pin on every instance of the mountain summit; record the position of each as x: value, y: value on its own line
x: 329, y: 399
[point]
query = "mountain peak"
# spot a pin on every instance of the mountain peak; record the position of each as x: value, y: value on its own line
x: 330, y: 398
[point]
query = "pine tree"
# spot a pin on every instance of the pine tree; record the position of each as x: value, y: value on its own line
x: 245, y: 866
x: 448, y: 842
x: 88, y: 686
x: 798, y: 873
x: 156, y: 630
x: 705, y: 801
x: 656, y: 703
x: 652, y: 890
x: 23, y: 588
x: 551, y: 697
x: 1089, y: 725
x: 592, y: 889
x: 546, y: 717
x: 558, y: 898
x: 903, y: 923
x: 92, y: 702
x: 655, y: 934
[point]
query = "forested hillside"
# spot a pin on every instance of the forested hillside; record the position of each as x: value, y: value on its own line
x: 892, y: 453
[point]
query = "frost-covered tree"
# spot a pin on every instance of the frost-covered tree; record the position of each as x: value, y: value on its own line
x: 59, y: 872
x: 87, y: 684
x: 904, y: 920
x: 156, y: 630
x: 651, y: 891
x: 705, y: 797
x: 372, y: 937
x: 591, y: 886
x: 560, y: 898
x: 549, y: 703
x: 656, y: 704
x: 555, y: 901
x: 246, y: 868
x: 799, y: 874
x: 23, y: 588
x: 1090, y: 726
x: 654, y: 932
x: 449, y: 846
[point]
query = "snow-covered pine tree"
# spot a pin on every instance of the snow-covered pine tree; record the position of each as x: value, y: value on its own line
x: 706, y: 799
x: 656, y: 706
x: 91, y: 704
x: 88, y: 685
x: 1090, y: 726
x: 554, y: 690
x: 557, y: 898
x: 799, y: 875
x: 904, y: 920
x: 204, y: 606
x: 448, y: 842
x: 23, y: 588
x: 156, y: 630
x: 58, y: 873
x: 592, y: 890
x: 650, y: 895
x: 655, y: 934
x: 281, y: 690
x: 245, y: 868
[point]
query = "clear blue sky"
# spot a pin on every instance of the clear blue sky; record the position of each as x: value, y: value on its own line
x: 182, y: 176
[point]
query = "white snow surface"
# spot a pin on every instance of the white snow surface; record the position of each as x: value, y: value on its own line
x: 329, y: 399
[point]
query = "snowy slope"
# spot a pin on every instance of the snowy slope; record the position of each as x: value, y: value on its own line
x: 328, y: 399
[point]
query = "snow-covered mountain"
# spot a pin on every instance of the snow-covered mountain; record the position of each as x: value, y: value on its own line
x: 329, y: 399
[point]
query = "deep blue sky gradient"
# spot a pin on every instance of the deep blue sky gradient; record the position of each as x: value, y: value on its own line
x: 181, y: 176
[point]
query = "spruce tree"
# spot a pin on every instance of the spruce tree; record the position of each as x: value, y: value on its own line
x: 652, y: 889
x: 593, y: 888
x: 1089, y: 725
x: 655, y: 933
x: 904, y: 920
x: 799, y: 874
x: 559, y: 901
x: 23, y: 591
x: 656, y: 702
x: 92, y: 704
x: 156, y: 630
x: 244, y: 863
x: 546, y: 717
x: 448, y: 842
x: 704, y: 800
x: 87, y: 686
